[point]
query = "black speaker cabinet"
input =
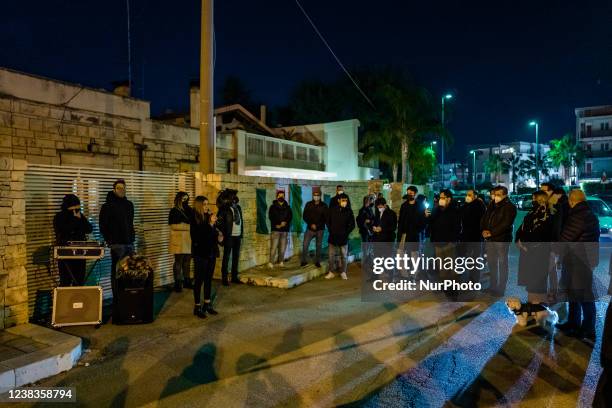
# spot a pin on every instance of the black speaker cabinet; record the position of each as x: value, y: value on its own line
x: 77, y: 305
x: 134, y: 305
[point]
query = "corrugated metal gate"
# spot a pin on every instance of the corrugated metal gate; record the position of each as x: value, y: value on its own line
x: 151, y: 193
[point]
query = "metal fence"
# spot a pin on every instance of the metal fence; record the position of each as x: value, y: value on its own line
x: 151, y: 193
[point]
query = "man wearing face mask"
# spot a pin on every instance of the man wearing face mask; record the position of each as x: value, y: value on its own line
x: 71, y: 225
x: 496, y: 226
x: 335, y: 200
x: 314, y: 217
x: 471, y: 239
x: 280, y: 219
x: 117, y: 226
x: 231, y: 224
x: 411, y: 218
x: 385, y: 222
x: 340, y: 222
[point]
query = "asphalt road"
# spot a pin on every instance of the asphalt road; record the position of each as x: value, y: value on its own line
x: 320, y: 345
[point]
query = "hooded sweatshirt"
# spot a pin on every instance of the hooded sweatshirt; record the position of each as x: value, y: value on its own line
x: 117, y: 220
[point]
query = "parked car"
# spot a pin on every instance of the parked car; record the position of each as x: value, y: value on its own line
x: 603, y: 211
x: 524, y: 202
x: 606, y: 196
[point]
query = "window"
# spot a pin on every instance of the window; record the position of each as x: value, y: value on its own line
x: 255, y: 146
x: 288, y: 152
x: 601, y: 126
x: 313, y: 155
x: 588, y: 147
x: 272, y: 148
x: 302, y: 153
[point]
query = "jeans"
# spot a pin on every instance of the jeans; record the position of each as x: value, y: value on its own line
x: 182, y: 263
x: 118, y: 252
x: 204, y: 267
x: 278, y: 246
x: 497, y: 258
x: 308, y: 236
x: 338, y: 255
x: 231, y: 247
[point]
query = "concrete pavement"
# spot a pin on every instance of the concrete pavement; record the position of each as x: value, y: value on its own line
x: 319, y: 345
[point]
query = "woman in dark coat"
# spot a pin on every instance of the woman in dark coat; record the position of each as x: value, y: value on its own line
x: 205, y: 251
x: 71, y: 225
x: 533, y: 238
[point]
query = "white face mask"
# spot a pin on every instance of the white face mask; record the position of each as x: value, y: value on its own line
x: 381, y: 210
x: 469, y: 199
x: 317, y: 198
x: 339, y: 192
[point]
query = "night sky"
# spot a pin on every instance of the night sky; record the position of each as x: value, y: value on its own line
x: 506, y: 61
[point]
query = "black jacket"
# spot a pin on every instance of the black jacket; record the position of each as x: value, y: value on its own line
x: 581, y: 225
x: 177, y: 216
x: 412, y: 221
x: 536, y: 226
x: 315, y: 214
x: 70, y: 228
x: 471, y: 214
x: 445, y: 224
x: 117, y: 220
x: 278, y: 213
x: 225, y: 220
x: 204, y: 240
x: 340, y: 223
x: 365, y: 213
x: 499, y: 219
x: 388, y: 222
x: 559, y: 215
x: 335, y: 202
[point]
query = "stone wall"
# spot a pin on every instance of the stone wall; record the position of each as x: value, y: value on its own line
x: 50, y: 122
x: 13, y: 276
x: 255, y: 249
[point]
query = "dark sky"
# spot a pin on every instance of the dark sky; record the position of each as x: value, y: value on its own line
x: 506, y: 61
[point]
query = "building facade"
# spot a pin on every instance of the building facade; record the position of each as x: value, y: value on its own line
x: 594, y: 135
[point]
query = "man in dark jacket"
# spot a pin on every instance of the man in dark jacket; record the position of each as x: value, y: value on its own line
x: 231, y: 224
x: 280, y: 219
x: 411, y: 218
x: 496, y: 226
x: 365, y: 218
x: 385, y: 222
x: 314, y: 216
x: 580, y: 255
x: 340, y: 222
x: 335, y: 200
x: 471, y: 238
x: 71, y: 225
x: 117, y: 226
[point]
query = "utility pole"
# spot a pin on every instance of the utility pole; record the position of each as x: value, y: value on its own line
x: 207, y: 129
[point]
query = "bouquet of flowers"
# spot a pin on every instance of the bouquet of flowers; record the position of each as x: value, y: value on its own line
x: 135, y: 268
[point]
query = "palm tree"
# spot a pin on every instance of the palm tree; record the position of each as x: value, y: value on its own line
x: 565, y: 153
x: 496, y: 164
x: 529, y: 166
x: 422, y: 162
x: 514, y: 166
x: 382, y: 145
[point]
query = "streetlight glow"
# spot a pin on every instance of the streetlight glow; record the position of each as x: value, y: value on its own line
x: 533, y: 123
x: 448, y: 96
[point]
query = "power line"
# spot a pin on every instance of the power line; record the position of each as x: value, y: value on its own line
x: 334, y: 54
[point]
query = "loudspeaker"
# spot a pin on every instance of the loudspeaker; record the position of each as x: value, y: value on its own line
x: 133, y: 305
x: 77, y: 305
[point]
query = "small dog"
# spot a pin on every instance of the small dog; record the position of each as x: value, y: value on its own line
x: 543, y: 316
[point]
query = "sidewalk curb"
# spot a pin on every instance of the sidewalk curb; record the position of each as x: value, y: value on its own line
x: 61, y: 354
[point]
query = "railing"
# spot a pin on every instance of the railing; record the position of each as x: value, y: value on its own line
x: 598, y: 153
x: 595, y: 133
x: 593, y: 174
x: 269, y: 151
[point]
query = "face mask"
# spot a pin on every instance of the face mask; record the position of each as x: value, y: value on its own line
x: 280, y: 198
x: 185, y: 199
x: 343, y: 204
x: 469, y: 199
x: 317, y: 198
x: 339, y: 192
x: 497, y: 199
x: 410, y: 198
x: 381, y: 209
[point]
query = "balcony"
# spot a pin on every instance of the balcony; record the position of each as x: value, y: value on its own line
x: 270, y: 151
x: 595, y: 133
x: 598, y: 154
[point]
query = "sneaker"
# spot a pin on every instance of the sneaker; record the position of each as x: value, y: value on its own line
x: 330, y: 275
x: 343, y: 274
x: 199, y: 311
x: 210, y: 310
x: 282, y: 264
x: 270, y: 265
x: 318, y: 264
x: 303, y: 264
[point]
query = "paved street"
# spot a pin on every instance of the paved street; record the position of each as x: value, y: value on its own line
x: 319, y: 345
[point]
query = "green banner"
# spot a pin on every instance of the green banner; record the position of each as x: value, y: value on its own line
x: 296, y: 207
x: 262, y: 206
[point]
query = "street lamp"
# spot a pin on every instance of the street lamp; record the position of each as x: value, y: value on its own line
x: 535, y: 124
x: 473, y: 153
x: 444, y: 98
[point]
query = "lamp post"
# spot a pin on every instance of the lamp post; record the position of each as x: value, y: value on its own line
x: 473, y: 153
x: 537, y: 167
x: 444, y: 98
